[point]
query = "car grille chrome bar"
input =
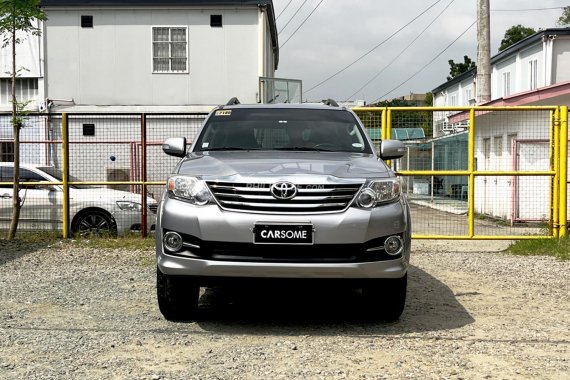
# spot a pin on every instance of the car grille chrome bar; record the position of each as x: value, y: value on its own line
x: 258, y: 197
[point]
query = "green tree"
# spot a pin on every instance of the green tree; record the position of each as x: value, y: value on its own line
x: 456, y: 69
x: 429, y: 99
x: 514, y: 34
x: 18, y: 19
x: 565, y: 18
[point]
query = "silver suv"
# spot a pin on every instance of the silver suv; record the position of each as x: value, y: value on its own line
x: 282, y: 192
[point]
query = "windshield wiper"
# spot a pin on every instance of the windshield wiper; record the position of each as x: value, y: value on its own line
x: 227, y: 148
x: 305, y: 149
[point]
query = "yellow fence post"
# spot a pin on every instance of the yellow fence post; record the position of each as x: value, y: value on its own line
x: 563, y: 170
x: 555, y: 138
x: 65, y: 162
x: 388, y: 129
x: 471, y: 169
x: 384, y: 124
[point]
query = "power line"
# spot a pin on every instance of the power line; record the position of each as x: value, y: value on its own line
x: 371, y: 50
x: 292, y: 17
x: 299, y: 27
x: 283, y: 10
x: 401, y: 52
x: 426, y: 65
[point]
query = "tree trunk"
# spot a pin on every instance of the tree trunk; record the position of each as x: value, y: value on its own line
x: 16, y: 132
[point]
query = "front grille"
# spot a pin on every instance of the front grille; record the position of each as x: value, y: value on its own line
x: 153, y: 207
x: 310, y: 198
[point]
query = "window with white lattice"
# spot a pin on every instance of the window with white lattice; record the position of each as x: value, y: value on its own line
x: 506, y: 84
x: 533, y: 74
x: 169, y: 49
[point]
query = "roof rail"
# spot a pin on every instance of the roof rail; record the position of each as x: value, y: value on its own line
x: 330, y: 102
x: 233, y: 101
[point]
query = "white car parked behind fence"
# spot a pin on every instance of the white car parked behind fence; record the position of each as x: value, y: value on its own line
x: 91, y: 210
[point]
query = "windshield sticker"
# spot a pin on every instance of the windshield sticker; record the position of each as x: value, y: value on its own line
x: 223, y: 112
x: 357, y: 145
x: 205, y: 145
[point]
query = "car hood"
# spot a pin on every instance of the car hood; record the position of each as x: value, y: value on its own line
x: 214, y: 165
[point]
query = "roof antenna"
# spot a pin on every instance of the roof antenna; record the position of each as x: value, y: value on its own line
x: 233, y: 101
x: 330, y: 102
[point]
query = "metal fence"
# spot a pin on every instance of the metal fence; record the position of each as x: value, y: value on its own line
x: 110, y: 166
x: 480, y: 172
x: 469, y: 173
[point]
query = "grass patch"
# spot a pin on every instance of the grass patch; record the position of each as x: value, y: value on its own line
x: 558, y: 248
x: 130, y: 241
x: 46, y: 239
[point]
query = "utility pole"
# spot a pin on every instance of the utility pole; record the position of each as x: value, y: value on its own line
x: 483, y: 52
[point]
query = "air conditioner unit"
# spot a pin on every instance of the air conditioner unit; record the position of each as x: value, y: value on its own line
x: 118, y: 175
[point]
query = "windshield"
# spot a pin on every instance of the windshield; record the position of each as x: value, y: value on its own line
x: 282, y: 129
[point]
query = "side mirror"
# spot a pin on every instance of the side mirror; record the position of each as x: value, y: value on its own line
x: 392, y: 149
x: 175, y: 146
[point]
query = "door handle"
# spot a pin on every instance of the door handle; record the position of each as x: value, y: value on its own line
x: 5, y: 196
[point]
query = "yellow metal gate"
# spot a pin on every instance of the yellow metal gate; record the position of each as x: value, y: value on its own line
x: 480, y: 172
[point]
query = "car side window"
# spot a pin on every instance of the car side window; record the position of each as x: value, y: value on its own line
x: 6, y: 175
x: 30, y: 176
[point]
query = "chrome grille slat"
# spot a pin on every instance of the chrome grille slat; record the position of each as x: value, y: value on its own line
x: 297, y: 198
x: 292, y: 205
x: 258, y: 197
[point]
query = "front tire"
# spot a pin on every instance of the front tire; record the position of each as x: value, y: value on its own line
x: 385, y: 298
x: 177, y: 296
x: 94, y: 222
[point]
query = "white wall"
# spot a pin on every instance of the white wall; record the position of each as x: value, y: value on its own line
x: 111, y: 63
x: 561, y: 59
x: 506, y: 66
x: 526, y: 57
x: 28, y: 55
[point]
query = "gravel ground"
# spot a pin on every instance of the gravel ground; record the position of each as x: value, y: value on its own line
x: 472, y: 313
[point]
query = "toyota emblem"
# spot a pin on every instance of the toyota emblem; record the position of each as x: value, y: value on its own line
x: 283, y: 190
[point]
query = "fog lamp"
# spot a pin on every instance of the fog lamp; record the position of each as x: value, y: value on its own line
x: 172, y: 241
x: 393, y: 245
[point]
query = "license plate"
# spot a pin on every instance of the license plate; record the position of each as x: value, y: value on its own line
x: 268, y: 233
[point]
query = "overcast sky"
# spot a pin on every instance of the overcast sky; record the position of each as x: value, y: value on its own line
x: 340, y: 31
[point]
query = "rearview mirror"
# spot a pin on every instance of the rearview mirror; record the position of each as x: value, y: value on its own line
x: 175, y: 146
x: 392, y: 149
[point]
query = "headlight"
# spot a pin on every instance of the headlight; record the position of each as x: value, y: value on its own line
x: 129, y: 206
x: 190, y: 189
x: 376, y: 192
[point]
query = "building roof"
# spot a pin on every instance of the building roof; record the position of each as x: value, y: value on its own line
x: 459, y: 78
x: 268, y: 4
x: 513, y: 49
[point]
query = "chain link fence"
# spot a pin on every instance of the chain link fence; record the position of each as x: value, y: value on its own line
x: 116, y: 170
x: 487, y: 173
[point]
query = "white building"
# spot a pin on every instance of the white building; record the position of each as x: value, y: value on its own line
x: 534, y: 71
x: 135, y: 56
x: 173, y: 55
x: 29, y: 68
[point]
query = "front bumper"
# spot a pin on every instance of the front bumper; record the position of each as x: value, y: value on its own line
x: 220, y: 229
x: 174, y: 265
